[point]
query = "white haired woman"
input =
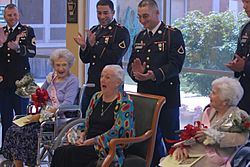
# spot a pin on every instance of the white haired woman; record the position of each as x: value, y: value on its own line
x: 219, y: 141
x: 110, y: 115
x: 20, y: 144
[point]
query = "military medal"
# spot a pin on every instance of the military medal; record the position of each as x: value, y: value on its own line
x: 244, y: 38
x: 139, y: 45
x: 106, y: 40
x: 160, y: 45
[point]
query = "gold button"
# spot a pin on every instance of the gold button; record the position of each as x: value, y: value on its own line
x: 149, y: 50
x: 8, y: 60
x: 8, y: 55
x: 147, y: 58
x: 147, y: 66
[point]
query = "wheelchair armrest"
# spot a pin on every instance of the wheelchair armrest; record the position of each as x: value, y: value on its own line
x: 108, y: 160
x: 48, y: 122
x: 68, y: 108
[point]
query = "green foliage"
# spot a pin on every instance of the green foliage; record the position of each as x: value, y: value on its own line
x: 210, y: 43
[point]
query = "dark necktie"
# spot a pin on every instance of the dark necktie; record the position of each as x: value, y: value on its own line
x: 150, y: 33
x: 10, y: 30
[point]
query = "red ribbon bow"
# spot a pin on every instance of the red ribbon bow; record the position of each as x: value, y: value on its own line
x: 40, y: 98
x: 188, y: 132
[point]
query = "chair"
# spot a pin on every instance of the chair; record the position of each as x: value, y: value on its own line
x: 147, y: 110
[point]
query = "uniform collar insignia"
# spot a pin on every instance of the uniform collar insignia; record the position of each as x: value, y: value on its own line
x: 170, y: 28
x: 159, y: 31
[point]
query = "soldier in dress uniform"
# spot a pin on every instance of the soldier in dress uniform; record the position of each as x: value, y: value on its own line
x: 106, y: 43
x: 241, y: 62
x: 17, y: 44
x: 157, y: 57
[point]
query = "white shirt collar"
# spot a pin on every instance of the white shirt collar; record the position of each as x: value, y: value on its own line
x: 155, y: 29
x: 13, y: 28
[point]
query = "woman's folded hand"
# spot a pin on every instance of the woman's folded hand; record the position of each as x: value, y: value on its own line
x: 180, y: 153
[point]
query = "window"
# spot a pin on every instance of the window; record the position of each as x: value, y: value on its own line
x: 210, y: 29
x: 48, y: 18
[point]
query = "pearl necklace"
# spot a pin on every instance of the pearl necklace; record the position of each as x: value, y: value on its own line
x: 103, y: 111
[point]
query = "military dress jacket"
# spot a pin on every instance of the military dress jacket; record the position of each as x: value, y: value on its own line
x: 243, y: 50
x: 15, y: 64
x: 111, y: 45
x: 164, y: 54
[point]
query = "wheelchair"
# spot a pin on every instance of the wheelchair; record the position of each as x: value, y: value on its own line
x: 53, y: 133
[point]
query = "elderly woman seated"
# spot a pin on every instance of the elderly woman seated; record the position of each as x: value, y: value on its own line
x: 20, y: 144
x: 219, y: 141
x: 109, y: 115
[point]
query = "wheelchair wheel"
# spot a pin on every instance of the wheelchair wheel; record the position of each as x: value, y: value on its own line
x: 7, y: 163
x: 61, y: 137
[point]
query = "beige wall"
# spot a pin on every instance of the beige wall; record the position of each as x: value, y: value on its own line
x: 72, y: 30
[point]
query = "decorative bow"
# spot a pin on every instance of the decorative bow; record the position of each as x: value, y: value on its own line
x: 186, y: 136
x: 40, y: 98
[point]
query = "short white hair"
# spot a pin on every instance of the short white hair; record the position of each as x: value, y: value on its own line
x: 62, y: 53
x: 230, y: 89
x: 118, y: 71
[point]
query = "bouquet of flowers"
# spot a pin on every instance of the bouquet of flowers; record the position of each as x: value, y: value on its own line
x: 236, y: 122
x: 26, y: 86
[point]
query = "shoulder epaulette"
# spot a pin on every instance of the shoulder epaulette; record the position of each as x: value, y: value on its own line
x: 170, y: 28
x: 119, y: 25
x: 25, y: 25
x: 92, y: 28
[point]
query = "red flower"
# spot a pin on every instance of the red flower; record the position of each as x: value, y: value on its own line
x: 246, y: 125
x: 40, y: 98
